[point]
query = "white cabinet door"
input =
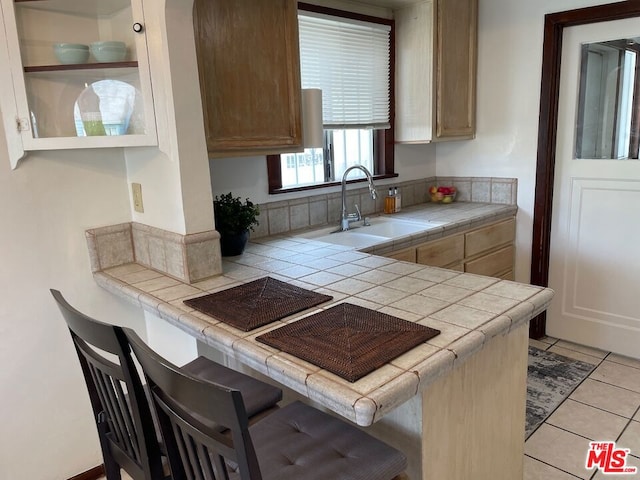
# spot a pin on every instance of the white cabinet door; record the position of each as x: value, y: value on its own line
x: 41, y: 96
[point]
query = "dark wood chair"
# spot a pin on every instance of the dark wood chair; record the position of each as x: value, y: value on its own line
x: 297, y: 442
x: 128, y: 437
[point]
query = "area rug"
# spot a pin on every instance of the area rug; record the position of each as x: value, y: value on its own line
x: 551, y: 378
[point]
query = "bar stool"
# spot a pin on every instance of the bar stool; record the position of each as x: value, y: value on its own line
x: 128, y: 437
x: 297, y: 442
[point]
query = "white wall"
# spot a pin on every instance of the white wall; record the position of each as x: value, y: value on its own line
x: 45, y: 207
x: 509, y: 72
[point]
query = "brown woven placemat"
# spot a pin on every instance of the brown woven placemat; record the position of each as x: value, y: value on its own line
x: 348, y: 340
x: 256, y: 303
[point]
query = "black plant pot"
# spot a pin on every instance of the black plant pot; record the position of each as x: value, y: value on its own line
x: 232, y: 244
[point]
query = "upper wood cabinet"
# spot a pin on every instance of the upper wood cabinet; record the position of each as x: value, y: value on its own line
x: 249, y: 67
x: 436, y: 56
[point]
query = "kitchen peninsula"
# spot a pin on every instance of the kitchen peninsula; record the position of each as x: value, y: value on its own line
x: 454, y: 404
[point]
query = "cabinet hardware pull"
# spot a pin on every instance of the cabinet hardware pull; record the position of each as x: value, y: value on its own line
x: 137, y: 27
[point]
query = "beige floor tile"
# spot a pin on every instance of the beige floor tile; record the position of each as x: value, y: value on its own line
x: 630, y: 362
x: 637, y: 416
x: 607, y: 397
x: 574, y: 354
x: 549, y: 340
x: 538, y: 344
x: 619, y: 375
x: 536, y: 470
x: 561, y: 449
x: 587, y: 421
x: 594, y: 352
x: 631, y: 439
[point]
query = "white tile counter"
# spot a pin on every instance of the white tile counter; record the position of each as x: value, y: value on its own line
x: 482, y: 321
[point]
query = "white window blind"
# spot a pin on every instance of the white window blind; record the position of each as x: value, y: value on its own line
x: 349, y: 61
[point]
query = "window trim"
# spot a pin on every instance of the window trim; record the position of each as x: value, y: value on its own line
x: 385, y: 141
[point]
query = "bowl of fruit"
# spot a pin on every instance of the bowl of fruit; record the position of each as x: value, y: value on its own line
x: 443, y: 194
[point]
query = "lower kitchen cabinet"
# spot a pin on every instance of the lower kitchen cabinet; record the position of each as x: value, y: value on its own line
x: 488, y: 250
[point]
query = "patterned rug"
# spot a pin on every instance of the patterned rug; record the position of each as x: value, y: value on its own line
x: 551, y: 378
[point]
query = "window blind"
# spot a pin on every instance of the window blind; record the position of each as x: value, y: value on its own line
x: 349, y: 61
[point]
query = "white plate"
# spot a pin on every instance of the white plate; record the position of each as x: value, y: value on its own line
x: 110, y: 102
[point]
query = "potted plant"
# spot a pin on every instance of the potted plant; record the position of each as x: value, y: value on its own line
x: 234, y: 219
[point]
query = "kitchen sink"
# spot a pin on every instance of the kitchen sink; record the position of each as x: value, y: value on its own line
x: 382, y: 229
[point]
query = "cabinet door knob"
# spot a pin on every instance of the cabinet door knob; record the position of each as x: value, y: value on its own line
x: 137, y: 27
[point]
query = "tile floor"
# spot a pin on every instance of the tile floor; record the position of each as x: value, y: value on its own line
x: 605, y: 406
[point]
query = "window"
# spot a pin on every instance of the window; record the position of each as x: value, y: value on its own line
x: 349, y: 57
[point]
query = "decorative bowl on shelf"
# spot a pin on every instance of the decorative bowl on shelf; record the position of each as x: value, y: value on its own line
x: 111, y: 51
x: 443, y: 194
x: 71, y: 53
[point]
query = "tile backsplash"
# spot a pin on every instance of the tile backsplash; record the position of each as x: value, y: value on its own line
x: 194, y: 257
x: 188, y: 258
x: 318, y: 210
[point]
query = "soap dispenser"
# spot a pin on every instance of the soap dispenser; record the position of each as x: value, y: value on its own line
x: 390, y: 202
x: 398, y: 200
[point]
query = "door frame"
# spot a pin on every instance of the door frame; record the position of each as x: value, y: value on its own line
x: 554, y: 25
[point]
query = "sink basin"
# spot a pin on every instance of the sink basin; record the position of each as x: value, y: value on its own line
x: 382, y: 229
x: 393, y: 228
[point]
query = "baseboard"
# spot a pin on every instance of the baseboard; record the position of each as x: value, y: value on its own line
x: 92, y: 474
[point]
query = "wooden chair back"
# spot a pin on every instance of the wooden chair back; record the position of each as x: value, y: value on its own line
x: 204, y: 425
x: 120, y: 406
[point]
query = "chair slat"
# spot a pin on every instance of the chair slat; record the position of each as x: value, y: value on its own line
x: 125, y: 411
x: 192, y: 453
x: 102, y: 388
x: 182, y: 448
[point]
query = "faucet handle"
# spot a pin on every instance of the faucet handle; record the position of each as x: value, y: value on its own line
x: 358, y: 210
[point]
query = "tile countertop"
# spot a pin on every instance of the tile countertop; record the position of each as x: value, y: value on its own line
x: 468, y: 309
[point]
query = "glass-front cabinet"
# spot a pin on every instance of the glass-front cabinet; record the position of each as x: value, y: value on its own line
x: 78, y: 75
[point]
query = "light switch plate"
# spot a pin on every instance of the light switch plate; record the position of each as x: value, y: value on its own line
x: 136, y: 190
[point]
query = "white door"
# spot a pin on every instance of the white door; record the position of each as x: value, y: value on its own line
x: 595, y: 235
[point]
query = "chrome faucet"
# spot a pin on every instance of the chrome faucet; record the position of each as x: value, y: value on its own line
x: 348, y: 218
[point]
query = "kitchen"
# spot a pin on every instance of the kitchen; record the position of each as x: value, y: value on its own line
x: 53, y: 197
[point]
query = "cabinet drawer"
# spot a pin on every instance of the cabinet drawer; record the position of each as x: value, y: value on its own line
x: 406, y: 255
x: 441, y: 252
x: 493, y: 264
x: 489, y: 237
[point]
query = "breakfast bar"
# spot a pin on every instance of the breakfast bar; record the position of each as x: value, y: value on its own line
x: 454, y: 404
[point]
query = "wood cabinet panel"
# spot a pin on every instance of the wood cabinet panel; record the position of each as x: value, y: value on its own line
x: 492, y: 264
x: 489, y: 237
x: 508, y: 276
x: 249, y: 68
x: 406, y: 255
x: 456, y: 267
x: 456, y: 45
x: 436, y: 57
x: 486, y: 250
x: 440, y: 253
